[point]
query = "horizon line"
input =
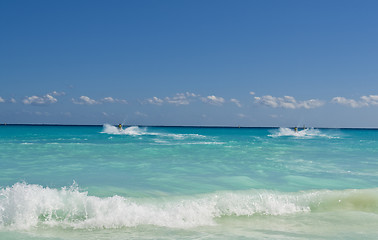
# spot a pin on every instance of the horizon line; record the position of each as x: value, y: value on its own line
x: 184, y: 126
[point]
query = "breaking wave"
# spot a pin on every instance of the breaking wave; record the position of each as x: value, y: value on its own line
x: 25, y: 206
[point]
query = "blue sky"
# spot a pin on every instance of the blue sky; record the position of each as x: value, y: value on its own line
x: 248, y: 63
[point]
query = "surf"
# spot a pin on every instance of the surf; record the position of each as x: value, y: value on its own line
x: 26, y: 206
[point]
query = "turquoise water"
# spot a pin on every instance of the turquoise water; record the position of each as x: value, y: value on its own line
x: 98, y: 182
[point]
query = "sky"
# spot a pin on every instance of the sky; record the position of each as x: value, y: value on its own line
x: 246, y: 63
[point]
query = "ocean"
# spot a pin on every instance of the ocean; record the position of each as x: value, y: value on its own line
x: 98, y: 182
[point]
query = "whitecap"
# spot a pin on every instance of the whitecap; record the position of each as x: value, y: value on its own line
x: 25, y: 206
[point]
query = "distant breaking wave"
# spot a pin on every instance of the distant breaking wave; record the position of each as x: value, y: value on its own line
x: 25, y: 206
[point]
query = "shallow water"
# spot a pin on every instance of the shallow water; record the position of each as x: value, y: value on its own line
x: 80, y: 182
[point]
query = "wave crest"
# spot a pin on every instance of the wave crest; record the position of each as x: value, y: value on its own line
x: 24, y: 206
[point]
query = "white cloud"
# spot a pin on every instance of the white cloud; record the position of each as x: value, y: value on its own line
x: 178, y: 99
x: 89, y: 101
x: 155, y: 100
x: 112, y: 100
x: 44, y: 100
x: 312, y: 103
x: 181, y: 98
x: 50, y: 98
x: 364, y: 101
x: 191, y: 94
x: 252, y: 93
x: 371, y: 99
x: 12, y: 100
x: 188, y: 97
x: 55, y: 93
x: 237, y: 102
x: 287, y: 102
x: 213, y: 100
x: 268, y: 100
x: 2, y: 100
x: 241, y: 115
x: 85, y: 100
x: 108, y: 100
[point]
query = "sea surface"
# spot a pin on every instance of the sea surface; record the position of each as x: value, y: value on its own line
x: 98, y: 182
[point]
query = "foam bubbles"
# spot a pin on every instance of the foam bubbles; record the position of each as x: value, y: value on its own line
x: 25, y: 206
x: 133, y: 130
x: 305, y: 133
x: 136, y: 131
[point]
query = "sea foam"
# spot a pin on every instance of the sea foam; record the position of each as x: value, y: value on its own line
x: 133, y: 130
x: 305, y: 133
x: 137, y: 131
x: 25, y: 206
